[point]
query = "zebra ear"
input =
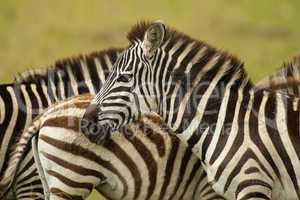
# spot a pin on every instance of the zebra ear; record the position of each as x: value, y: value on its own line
x: 153, y: 38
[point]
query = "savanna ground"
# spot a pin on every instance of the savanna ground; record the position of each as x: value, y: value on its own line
x: 34, y: 33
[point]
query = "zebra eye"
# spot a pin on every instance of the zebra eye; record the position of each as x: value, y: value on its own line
x: 125, y: 77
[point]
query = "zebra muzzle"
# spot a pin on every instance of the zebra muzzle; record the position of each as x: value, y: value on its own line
x: 90, y: 127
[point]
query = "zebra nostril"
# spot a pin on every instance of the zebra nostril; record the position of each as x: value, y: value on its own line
x: 91, y: 113
x: 89, y: 119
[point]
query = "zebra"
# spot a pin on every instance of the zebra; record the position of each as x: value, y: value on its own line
x: 142, y: 162
x: 26, y: 189
x: 35, y: 90
x: 171, y: 153
x: 246, y: 139
x: 66, y: 78
x: 67, y: 119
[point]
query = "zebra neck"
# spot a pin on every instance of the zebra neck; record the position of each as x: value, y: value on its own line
x: 197, y: 108
x: 215, y: 121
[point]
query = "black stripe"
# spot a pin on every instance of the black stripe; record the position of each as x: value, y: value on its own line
x: 255, y: 137
x: 92, y: 70
x: 80, y: 151
x: 34, y: 102
x: 124, y: 157
x: 183, y: 167
x: 273, y: 133
x: 42, y: 96
x: 75, y: 168
x: 248, y: 155
x: 238, y: 141
x: 196, y: 167
x: 58, y: 192
x: 169, y: 166
x: 149, y: 161
x: 228, y: 120
x: 69, y: 182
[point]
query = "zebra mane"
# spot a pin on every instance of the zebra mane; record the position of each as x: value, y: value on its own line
x: 285, y: 80
x: 63, y: 65
x: 172, y: 36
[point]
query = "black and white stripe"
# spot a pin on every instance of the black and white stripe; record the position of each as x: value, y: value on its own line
x: 142, y: 162
x: 246, y: 138
x: 35, y: 90
x: 27, y: 183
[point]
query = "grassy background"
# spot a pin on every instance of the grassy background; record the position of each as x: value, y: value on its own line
x: 34, y: 33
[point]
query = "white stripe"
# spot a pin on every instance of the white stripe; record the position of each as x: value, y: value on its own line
x: 29, y: 180
x: 27, y: 107
x: 165, y: 72
x: 247, y: 138
x: 177, y: 87
x: 221, y: 116
x: 26, y: 160
x: 189, y: 167
x: 186, y: 97
x: 197, y: 149
x: 53, y: 88
x: 175, y: 171
x: 46, y: 94
x: 283, y: 132
x: 26, y: 172
x: 22, y: 189
x: 172, y: 107
x: 2, y: 111
x: 187, y: 49
x: 87, y: 77
x: 234, y: 127
x: 195, y: 59
x: 107, y: 61
x: 73, y: 82
x: 263, y: 133
x: 187, y: 133
x: 61, y: 85
x: 78, y: 139
x: 100, y: 70
x: 37, y: 96
x: 10, y: 127
x: 183, y: 54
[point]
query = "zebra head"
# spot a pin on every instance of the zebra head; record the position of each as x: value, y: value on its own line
x: 129, y: 90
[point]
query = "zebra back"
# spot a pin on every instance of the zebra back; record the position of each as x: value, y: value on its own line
x: 75, y: 75
x: 143, y: 161
x: 285, y: 80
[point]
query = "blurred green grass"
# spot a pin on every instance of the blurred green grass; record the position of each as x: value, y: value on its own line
x: 34, y: 33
